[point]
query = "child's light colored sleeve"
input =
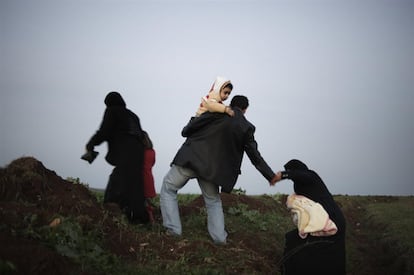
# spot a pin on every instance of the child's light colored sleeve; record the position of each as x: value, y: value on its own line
x: 201, y: 108
x: 213, y: 106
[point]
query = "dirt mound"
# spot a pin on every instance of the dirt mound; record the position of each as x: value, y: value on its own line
x: 31, y: 196
x: 27, y: 180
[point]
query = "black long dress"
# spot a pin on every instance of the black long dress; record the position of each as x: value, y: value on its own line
x: 121, y: 128
x: 314, y: 255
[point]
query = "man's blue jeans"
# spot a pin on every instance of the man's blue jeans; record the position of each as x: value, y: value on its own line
x: 173, y: 181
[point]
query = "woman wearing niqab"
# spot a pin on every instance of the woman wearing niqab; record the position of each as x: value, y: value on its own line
x: 314, y: 254
x: 121, y: 129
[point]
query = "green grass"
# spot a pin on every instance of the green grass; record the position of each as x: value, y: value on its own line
x: 396, y: 220
x: 379, y: 229
x: 395, y: 226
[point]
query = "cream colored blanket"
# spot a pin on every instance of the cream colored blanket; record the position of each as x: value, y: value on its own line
x: 310, y: 217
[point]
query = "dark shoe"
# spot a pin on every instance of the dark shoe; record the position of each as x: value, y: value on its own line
x: 220, y: 243
x: 171, y: 233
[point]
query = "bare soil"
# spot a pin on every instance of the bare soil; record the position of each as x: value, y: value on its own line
x: 28, y: 189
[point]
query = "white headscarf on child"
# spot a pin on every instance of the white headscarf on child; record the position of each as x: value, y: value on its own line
x: 218, y: 85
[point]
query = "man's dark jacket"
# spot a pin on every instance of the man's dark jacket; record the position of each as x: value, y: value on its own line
x: 215, y: 146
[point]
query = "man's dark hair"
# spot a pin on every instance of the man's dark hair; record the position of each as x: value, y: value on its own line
x: 239, y: 101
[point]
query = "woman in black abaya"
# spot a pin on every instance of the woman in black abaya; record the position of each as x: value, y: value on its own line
x: 121, y: 129
x: 313, y: 254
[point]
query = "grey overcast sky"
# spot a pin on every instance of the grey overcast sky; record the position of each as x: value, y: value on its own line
x: 329, y: 82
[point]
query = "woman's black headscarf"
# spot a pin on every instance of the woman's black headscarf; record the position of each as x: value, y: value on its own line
x: 114, y: 99
x: 295, y: 164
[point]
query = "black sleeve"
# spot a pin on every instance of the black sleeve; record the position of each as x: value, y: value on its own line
x: 285, y: 175
x: 255, y: 157
x: 104, y: 131
x: 291, y: 174
x: 298, y: 176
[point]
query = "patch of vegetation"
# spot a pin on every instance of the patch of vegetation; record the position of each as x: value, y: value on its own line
x: 394, y: 224
x: 7, y: 267
x: 68, y: 238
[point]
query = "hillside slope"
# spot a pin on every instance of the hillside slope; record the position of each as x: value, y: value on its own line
x: 53, y: 226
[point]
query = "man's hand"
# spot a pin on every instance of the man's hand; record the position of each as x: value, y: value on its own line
x: 229, y: 111
x: 277, y: 177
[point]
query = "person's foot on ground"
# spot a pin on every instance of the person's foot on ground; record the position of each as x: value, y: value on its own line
x: 169, y: 232
x: 220, y: 243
